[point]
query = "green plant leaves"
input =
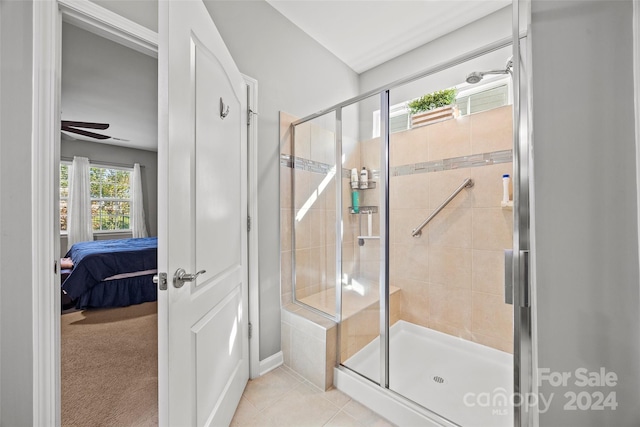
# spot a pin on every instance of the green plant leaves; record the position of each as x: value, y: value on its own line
x: 433, y: 100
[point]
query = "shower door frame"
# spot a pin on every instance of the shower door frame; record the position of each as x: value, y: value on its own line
x: 521, y: 273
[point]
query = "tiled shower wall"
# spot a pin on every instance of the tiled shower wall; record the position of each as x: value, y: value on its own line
x: 452, y: 276
x: 314, y: 219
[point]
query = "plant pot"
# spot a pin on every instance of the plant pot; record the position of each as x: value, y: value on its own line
x: 434, y: 116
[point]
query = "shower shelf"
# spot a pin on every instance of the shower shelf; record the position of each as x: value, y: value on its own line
x: 370, y: 186
x: 364, y: 210
x: 507, y: 205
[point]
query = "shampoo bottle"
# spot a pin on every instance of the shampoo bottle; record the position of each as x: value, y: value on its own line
x: 505, y: 188
x: 364, y: 178
x: 354, y: 178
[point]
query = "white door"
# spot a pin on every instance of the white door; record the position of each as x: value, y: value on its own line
x: 202, y: 211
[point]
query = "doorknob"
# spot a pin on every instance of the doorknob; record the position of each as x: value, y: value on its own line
x: 181, y: 276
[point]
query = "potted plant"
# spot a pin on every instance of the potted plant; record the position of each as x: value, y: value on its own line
x: 433, y: 107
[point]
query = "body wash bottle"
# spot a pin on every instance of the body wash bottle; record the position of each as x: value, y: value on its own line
x: 355, y: 201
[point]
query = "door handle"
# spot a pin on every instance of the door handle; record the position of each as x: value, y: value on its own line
x: 522, y: 280
x: 181, y: 276
x: 508, y: 276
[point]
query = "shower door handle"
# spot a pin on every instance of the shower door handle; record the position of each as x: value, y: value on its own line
x: 509, y: 283
x: 508, y: 276
x: 525, y: 300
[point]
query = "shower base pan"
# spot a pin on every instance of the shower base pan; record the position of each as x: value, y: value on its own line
x: 461, y: 381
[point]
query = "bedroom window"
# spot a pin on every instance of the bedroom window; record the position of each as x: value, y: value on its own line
x: 64, y: 194
x: 110, y: 197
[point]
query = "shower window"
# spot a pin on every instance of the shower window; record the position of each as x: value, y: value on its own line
x: 495, y: 93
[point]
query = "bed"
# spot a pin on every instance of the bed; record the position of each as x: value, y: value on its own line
x: 112, y: 273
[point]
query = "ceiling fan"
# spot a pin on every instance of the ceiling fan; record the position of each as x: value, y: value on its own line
x: 79, y: 128
x: 72, y: 127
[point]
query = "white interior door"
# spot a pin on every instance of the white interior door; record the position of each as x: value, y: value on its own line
x: 203, y: 333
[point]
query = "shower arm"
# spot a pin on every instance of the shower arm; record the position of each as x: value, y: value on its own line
x: 506, y: 71
x: 467, y: 183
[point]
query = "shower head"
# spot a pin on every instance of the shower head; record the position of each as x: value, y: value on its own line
x: 476, y: 76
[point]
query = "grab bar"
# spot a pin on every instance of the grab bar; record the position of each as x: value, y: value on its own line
x: 467, y: 183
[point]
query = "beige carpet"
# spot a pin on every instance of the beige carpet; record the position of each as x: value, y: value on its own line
x: 109, y: 370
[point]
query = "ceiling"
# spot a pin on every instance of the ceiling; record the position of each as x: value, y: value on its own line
x: 105, y: 82
x: 367, y: 33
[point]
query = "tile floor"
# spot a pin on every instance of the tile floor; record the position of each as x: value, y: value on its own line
x: 283, y: 398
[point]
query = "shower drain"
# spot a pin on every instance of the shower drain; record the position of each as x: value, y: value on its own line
x: 438, y: 379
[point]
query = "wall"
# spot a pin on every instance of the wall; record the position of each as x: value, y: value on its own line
x: 296, y: 75
x: 586, y: 236
x: 97, y: 152
x: 16, y: 339
x: 482, y: 32
x: 313, y: 219
x: 451, y: 276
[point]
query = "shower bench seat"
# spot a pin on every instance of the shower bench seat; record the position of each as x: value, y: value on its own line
x: 309, y: 340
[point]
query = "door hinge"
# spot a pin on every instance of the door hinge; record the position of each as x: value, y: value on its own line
x: 55, y: 266
x: 250, y: 330
x: 248, y: 223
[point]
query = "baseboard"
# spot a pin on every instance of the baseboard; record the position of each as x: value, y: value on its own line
x: 271, y: 363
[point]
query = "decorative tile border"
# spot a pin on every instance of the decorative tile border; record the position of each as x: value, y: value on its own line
x: 472, y: 161
x: 289, y: 161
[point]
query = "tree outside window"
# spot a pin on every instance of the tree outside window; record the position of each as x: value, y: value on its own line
x: 110, y: 198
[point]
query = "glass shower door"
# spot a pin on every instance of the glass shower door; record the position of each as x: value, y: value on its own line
x: 359, y: 327
x: 313, y: 216
x: 451, y: 344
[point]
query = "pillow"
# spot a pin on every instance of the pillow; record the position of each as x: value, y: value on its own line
x: 66, y: 263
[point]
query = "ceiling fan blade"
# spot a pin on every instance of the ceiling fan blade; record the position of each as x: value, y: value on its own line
x: 85, y: 133
x: 87, y: 125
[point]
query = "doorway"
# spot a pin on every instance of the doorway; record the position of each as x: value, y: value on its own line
x: 48, y: 17
x: 109, y: 336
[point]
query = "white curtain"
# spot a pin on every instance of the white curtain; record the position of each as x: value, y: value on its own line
x: 138, y: 226
x: 79, y: 227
